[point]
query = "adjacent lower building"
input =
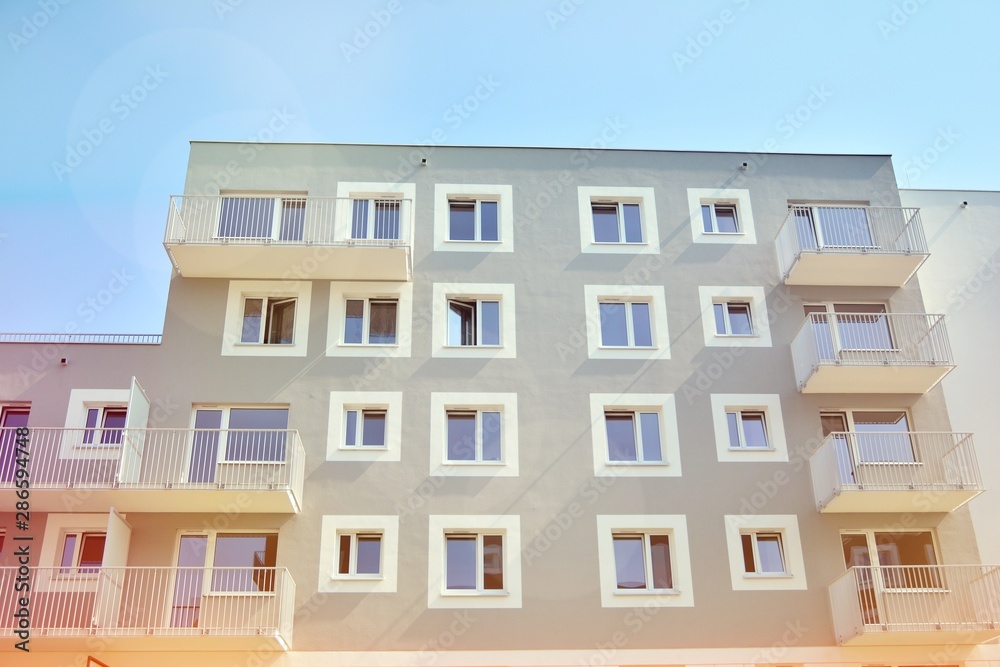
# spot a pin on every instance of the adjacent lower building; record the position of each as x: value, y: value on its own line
x: 493, y: 406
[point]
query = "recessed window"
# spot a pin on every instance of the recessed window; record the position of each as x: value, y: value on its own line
x: 642, y: 562
x: 375, y: 219
x: 244, y: 562
x: 473, y: 220
x: 907, y: 559
x: 733, y: 318
x: 370, y: 321
x: 268, y: 320
x: 473, y: 323
x: 474, y: 435
x: 224, y: 434
x: 365, y: 428
x: 747, y: 429
x: 82, y: 553
x: 625, y: 324
x: 359, y: 554
x: 762, y: 553
x: 616, y: 222
x: 474, y: 563
x: 104, y: 425
x: 720, y: 218
x: 633, y: 437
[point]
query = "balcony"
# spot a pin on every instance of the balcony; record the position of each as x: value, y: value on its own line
x: 159, y: 470
x: 850, y: 245
x: 895, y: 472
x: 927, y: 604
x: 275, y: 237
x: 154, y: 608
x: 863, y: 353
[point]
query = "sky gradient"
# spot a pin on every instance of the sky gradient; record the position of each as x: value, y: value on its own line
x: 101, y: 100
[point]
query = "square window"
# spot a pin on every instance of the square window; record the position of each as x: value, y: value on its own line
x: 473, y: 320
x: 365, y: 428
x: 473, y: 217
x: 268, y: 320
x: 642, y: 562
x: 473, y: 220
x: 616, y: 222
x: 360, y: 554
x: 721, y: 215
x: 370, y: 321
x: 625, y: 324
x: 719, y: 218
x: 474, y: 562
x: 244, y: 562
x: 731, y: 312
x: 104, y: 425
x: 747, y: 429
x: 376, y: 219
x: 765, y: 552
x: 642, y: 557
x: 82, y: 553
x: 762, y: 553
x: 733, y: 318
x: 474, y: 436
x: 473, y: 323
x: 633, y: 437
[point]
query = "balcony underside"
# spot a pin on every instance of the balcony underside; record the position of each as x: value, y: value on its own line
x: 155, y: 639
x: 83, y: 498
x: 278, y: 261
x: 887, y: 379
x: 847, y: 268
x: 923, y: 634
x: 919, y: 499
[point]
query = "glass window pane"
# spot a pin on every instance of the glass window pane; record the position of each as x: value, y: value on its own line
x: 614, y: 331
x: 460, y: 562
x: 256, y: 434
x: 373, y: 433
x: 462, y: 221
x: 382, y: 328
x: 621, y: 436
x: 352, y: 428
x: 719, y: 310
x: 492, y: 562
x: 725, y: 217
x: 491, y: 436
x: 69, y: 550
x: 706, y: 218
x: 844, y: 226
x: 91, y: 552
x: 754, y: 430
x: 883, y: 437
x: 640, y: 325
x: 252, y: 314
x: 769, y: 551
x: 114, y: 422
x: 293, y: 217
x: 235, y: 554
x: 633, y: 224
x: 855, y: 550
x: 605, y: 223
x: 630, y: 566
x: 359, y: 219
x: 733, y: 420
x: 490, y: 311
x: 659, y: 552
x: 344, y: 561
x: 369, y: 554
x: 461, y: 323
x: 739, y: 319
x: 281, y: 320
x: 386, y: 220
x: 461, y: 436
x: 354, y: 321
x: 489, y: 218
x: 649, y: 423
x: 748, y: 561
x: 246, y: 217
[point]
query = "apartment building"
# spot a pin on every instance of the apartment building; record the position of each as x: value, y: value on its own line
x: 493, y: 406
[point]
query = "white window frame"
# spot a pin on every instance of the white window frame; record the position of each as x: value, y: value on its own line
x: 239, y: 291
x: 672, y: 525
x: 665, y: 406
x: 80, y: 402
x: 727, y: 307
x: 878, y: 574
x: 343, y: 291
x: 211, y: 535
x: 504, y: 403
x: 644, y: 196
x: 477, y: 307
x: 265, y: 317
x: 391, y: 402
x: 335, y: 525
x: 655, y: 295
x: 360, y: 422
x: 354, y: 540
x: 57, y: 525
x: 73, y: 570
x: 710, y: 295
x: 630, y: 332
x: 740, y: 198
x: 478, y: 414
x: 220, y: 454
x: 739, y: 412
x: 440, y: 526
x: 366, y: 318
x: 713, y: 210
x: 770, y: 406
x: 100, y: 425
x: 443, y: 293
x: 349, y: 191
x: 503, y: 194
x: 787, y: 527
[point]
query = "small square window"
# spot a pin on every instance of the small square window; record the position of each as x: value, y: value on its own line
x: 616, y: 222
x: 104, y: 425
x: 359, y: 554
x: 474, y: 435
x: 268, y: 320
x: 474, y: 562
x: 642, y: 562
x: 625, y: 324
x: 763, y: 553
x: 365, y: 428
x: 633, y: 437
x: 720, y: 218
x: 375, y: 219
x: 82, y: 553
x: 370, y: 321
x: 473, y: 220
x: 733, y: 318
x: 747, y: 429
x: 474, y: 323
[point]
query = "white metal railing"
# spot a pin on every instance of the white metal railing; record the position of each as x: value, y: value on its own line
x: 875, y: 230
x: 120, y: 339
x: 870, y: 339
x: 289, y: 220
x: 916, y: 598
x: 153, y: 601
x: 902, y: 461
x: 157, y: 458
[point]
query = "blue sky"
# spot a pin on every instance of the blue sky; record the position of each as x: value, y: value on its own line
x: 101, y: 99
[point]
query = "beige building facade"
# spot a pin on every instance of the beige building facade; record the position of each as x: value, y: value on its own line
x: 488, y: 406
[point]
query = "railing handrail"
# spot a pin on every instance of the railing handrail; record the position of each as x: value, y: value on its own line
x: 825, y: 318
x: 85, y: 338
